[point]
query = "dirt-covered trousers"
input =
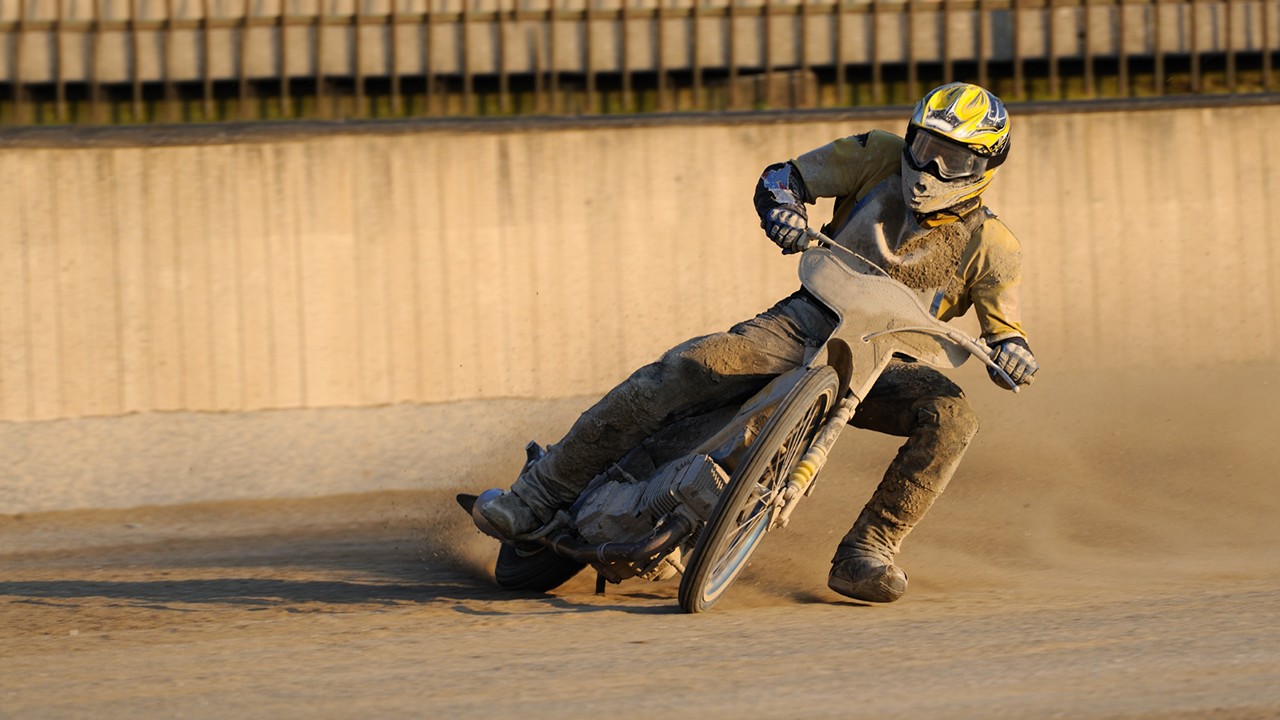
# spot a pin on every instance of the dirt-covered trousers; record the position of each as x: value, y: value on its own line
x: 698, y: 375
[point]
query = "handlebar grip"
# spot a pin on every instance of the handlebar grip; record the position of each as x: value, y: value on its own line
x: 816, y: 237
x: 984, y: 355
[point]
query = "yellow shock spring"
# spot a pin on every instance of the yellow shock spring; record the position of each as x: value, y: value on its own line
x: 804, y: 472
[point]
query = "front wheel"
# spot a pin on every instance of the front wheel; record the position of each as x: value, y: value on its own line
x: 742, y: 516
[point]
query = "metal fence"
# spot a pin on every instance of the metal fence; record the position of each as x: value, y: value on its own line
x: 130, y: 61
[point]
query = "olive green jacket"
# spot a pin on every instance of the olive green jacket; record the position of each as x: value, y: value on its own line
x: 953, y: 262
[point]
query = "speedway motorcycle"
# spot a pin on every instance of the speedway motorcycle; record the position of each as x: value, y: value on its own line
x: 697, y: 498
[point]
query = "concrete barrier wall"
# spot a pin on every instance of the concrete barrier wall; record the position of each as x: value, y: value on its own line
x: 438, y: 264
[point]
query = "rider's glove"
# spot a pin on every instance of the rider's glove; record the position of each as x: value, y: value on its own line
x: 1014, y: 357
x: 785, y: 226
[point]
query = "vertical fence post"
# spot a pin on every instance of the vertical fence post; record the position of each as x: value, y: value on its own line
x: 731, y: 55
x: 588, y: 68
x: 913, y: 70
x: 1051, y: 49
x: 465, y: 45
x: 766, y: 45
x: 695, y: 57
x: 841, y: 69
x: 244, y: 60
x: 205, y: 69
x: 393, y: 19
x: 660, y: 61
x: 948, y: 63
x: 428, y: 67
x: 1228, y: 25
x: 877, y: 70
x: 1019, y: 75
x: 60, y: 80
x: 171, y: 100
x: 135, y: 71
x: 539, y: 68
x: 59, y: 75
x: 1122, y: 49
x: 552, y: 68
x: 797, y: 99
x: 500, y: 58
x: 322, y: 104
x: 1158, y: 35
x: 624, y: 50
x: 984, y: 39
x: 282, y: 29
x: 1090, y: 89
x: 95, y: 83
x: 1266, y: 46
x: 19, y: 97
x: 357, y: 54
x: 1192, y: 31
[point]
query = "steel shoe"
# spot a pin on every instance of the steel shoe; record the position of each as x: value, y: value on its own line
x: 867, y: 579
x: 503, y: 515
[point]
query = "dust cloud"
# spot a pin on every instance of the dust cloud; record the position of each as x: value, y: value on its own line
x: 1086, y: 482
x: 1083, y: 483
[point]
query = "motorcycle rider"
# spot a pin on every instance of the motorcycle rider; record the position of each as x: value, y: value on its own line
x: 911, y: 205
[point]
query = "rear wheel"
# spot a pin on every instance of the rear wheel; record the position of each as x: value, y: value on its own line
x: 539, y: 571
x: 741, y: 518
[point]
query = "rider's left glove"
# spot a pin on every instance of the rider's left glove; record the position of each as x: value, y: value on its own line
x: 1014, y: 357
x: 785, y: 227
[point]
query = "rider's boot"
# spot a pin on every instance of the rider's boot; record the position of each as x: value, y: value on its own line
x: 504, y: 515
x: 863, y: 566
x: 524, y: 509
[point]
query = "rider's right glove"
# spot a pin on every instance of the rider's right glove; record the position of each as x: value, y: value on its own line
x: 785, y: 227
x: 1014, y: 357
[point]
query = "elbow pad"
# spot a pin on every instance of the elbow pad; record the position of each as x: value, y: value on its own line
x: 780, y: 185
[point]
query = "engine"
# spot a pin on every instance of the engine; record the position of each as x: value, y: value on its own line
x: 619, y: 508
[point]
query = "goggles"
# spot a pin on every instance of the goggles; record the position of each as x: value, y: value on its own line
x: 953, y: 160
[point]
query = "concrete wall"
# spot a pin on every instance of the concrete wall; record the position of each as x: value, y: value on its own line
x: 433, y: 264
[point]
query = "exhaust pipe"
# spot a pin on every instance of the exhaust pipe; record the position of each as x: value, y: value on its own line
x: 663, y: 540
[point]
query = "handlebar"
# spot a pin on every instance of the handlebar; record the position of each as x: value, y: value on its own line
x: 816, y: 237
x: 974, y: 346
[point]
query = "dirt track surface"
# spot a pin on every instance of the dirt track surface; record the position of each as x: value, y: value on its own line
x: 1109, y: 549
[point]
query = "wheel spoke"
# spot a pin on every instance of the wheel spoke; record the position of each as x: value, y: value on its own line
x: 766, y: 489
x: 756, y: 486
x: 739, y: 539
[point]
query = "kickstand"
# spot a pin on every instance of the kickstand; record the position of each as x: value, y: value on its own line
x: 599, y: 583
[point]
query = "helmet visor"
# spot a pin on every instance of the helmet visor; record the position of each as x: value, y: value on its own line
x: 953, y: 160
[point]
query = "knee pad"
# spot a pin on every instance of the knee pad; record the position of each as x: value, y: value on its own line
x: 953, y: 414
x: 706, y: 357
